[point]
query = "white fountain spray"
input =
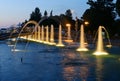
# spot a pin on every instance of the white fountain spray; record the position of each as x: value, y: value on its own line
x: 39, y: 40
x: 35, y: 34
x: 100, y: 48
x: 47, y: 35
x: 33, y: 22
x: 52, y: 35
x: 82, y: 42
x: 69, y: 39
x: 60, y: 44
x: 42, y: 37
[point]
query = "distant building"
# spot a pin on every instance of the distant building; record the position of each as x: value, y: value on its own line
x: 3, y: 30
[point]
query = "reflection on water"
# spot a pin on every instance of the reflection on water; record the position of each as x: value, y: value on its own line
x: 99, y: 69
x: 76, y: 67
x: 69, y: 73
x: 72, y: 73
x: 49, y: 63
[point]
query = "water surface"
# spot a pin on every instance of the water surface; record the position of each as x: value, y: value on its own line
x: 42, y: 62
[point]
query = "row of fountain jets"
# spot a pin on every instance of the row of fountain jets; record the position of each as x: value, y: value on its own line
x: 38, y: 35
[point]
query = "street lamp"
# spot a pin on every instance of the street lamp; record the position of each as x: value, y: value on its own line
x: 68, y: 25
x: 86, y: 22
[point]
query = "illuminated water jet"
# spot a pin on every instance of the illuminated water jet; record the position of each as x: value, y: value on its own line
x: 100, y: 50
x: 47, y: 35
x: 52, y: 36
x: 109, y: 45
x: 39, y: 34
x: 69, y: 39
x: 42, y: 34
x: 30, y: 22
x: 60, y: 44
x: 82, y: 42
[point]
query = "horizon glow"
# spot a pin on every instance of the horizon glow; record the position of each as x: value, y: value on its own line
x: 13, y: 12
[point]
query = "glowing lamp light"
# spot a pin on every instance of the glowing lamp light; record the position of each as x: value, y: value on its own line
x: 86, y: 22
x: 100, y: 53
x: 82, y: 49
x: 68, y: 25
x: 60, y: 45
x: 109, y: 46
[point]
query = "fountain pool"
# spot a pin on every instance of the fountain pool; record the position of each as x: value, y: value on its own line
x: 43, y: 62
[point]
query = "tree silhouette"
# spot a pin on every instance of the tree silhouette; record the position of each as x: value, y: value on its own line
x: 68, y: 14
x: 118, y: 7
x: 35, y: 15
x: 117, y: 25
x: 51, y: 13
x: 45, y: 13
x: 100, y: 13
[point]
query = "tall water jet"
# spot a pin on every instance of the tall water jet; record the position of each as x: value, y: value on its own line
x: 35, y: 34
x: 52, y: 36
x: 60, y: 44
x: 69, y: 39
x: 47, y: 35
x: 100, y: 48
x: 42, y: 34
x: 82, y: 40
x: 39, y: 35
x: 29, y: 37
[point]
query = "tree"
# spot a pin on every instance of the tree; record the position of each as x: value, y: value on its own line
x: 100, y: 13
x: 68, y: 14
x: 117, y: 27
x: 118, y: 7
x: 45, y: 13
x: 36, y: 15
x: 51, y: 13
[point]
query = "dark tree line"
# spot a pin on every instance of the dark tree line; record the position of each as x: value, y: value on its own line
x: 36, y: 15
x: 117, y: 22
x: 100, y: 12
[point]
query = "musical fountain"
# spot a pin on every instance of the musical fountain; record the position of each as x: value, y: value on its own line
x: 51, y: 58
x: 39, y: 35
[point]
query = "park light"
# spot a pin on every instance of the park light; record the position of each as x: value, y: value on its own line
x: 86, y: 22
x: 68, y: 25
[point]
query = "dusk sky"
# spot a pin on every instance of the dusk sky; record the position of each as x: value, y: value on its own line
x: 15, y: 11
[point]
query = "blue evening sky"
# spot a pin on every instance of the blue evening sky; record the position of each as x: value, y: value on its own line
x: 15, y: 11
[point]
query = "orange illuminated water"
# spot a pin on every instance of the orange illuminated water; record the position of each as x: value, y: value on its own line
x: 60, y: 44
x: 100, y: 49
x: 82, y: 41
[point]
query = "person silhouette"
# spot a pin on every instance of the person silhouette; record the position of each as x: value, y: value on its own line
x: 21, y: 60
